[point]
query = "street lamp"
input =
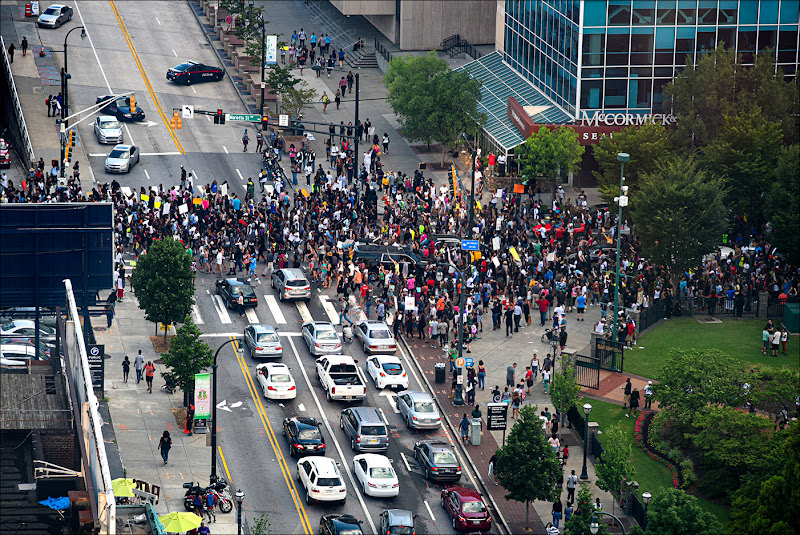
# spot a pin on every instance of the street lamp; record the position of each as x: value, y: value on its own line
x: 646, y: 497
x: 458, y: 400
x: 594, y: 527
x: 65, y: 76
x: 239, y: 499
x: 622, y: 200
x: 587, y: 409
x: 214, y: 409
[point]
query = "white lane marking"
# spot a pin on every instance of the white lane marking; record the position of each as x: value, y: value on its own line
x: 195, y: 177
x: 193, y: 89
x: 208, y: 118
x: 225, y: 149
x: 236, y: 405
x: 333, y: 436
x: 390, y: 397
x: 330, y: 310
x: 428, y: 507
x: 407, y: 365
x: 98, y: 155
x: 221, y: 405
x: 240, y: 174
x: 160, y: 153
x: 302, y: 407
x: 383, y: 417
x: 174, y: 53
x: 196, y: 317
x: 304, y: 313
x: 274, y: 308
x: 235, y: 334
x: 147, y: 174
x: 222, y: 312
x: 405, y: 461
x: 251, y: 315
x: 158, y: 21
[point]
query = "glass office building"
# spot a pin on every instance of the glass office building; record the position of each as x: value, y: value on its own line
x: 616, y: 56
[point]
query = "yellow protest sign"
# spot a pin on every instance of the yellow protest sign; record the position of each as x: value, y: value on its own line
x: 197, y: 201
x: 304, y: 192
x: 145, y: 197
x: 514, y: 253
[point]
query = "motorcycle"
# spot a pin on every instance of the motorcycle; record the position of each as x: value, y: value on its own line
x: 217, y: 486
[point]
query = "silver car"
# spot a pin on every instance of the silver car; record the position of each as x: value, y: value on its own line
x: 418, y: 410
x: 291, y: 283
x: 27, y: 329
x: 321, y: 338
x: 263, y: 341
x: 108, y: 130
x: 122, y: 158
x: 376, y: 337
x: 54, y: 16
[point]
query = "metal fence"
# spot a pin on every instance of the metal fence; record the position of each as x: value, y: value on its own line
x: 597, y: 448
x: 587, y: 371
x: 651, y: 315
x: 739, y: 306
x: 775, y: 306
x: 637, y: 510
x: 578, y: 422
x: 380, y: 49
x: 610, y: 353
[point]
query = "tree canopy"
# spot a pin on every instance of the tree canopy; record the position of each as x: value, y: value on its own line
x: 674, y: 512
x: 296, y: 99
x: 581, y: 520
x: 550, y: 152
x: 188, y: 355
x: 614, y: 465
x: 783, y: 204
x: 564, y: 390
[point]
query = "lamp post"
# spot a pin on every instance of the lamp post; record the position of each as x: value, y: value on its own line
x: 622, y: 200
x: 214, y: 409
x: 646, y: 497
x: 594, y: 527
x: 65, y: 76
x: 587, y: 409
x: 458, y: 400
x: 239, y: 499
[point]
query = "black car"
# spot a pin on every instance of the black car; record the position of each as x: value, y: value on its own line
x: 340, y: 525
x: 229, y: 290
x: 121, y: 108
x: 192, y: 72
x: 385, y: 255
x: 438, y: 460
x: 304, y: 436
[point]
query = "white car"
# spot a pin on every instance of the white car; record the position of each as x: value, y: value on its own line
x: 387, y: 372
x: 27, y: 328
x: 321, y: 338
x: 375, y: 475
x: 276, y: 381
x: 54, y: 16
x: 108, y: 130
x: 321, y: 479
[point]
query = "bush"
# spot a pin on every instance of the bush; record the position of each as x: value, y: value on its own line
x: 675, y: 455
x: 687, y: 470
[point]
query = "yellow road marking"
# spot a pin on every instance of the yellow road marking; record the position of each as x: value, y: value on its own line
x: 139, y: 65
x: 225, y: 464
x: 287, y: 473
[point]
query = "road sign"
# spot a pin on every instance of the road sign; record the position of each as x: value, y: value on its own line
x: 470, y: 362
x: 283, y: 120
x: 187, y: 112
x: 470, y: 245
x: 253, y: 118
x: 496, y: 416
x: 460, y: 361
x: 95, y: 356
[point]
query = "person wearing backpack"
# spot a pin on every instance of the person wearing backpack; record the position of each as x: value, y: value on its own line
x: 211, y: 503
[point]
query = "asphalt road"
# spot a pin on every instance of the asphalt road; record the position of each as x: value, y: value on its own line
x: 129, y: 48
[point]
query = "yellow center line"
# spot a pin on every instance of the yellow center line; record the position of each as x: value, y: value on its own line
x: 225, y: 464
x: 287, y: 473
x: 139, y: 65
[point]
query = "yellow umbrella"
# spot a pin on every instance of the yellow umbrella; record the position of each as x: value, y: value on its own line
x: 123, y: 487
x: 180, y: 521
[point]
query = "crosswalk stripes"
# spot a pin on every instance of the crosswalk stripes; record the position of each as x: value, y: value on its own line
x: 222, y: 312
x: 330, y: 310
x: 304, y: 312
x: 274, y: 308
x: 196, y: 317
x: 252, y: 317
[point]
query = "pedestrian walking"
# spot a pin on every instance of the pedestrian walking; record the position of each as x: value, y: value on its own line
x: 164, y: 445
x: 138, y: 364
x: 648, y: 395
x: 558, y: 509
x: 110, y: 313
x: 325, y: 100
x: 259, y: 141
x: 338, y: 98
x: 11, y: 49
x: 149, y: 372
x: 464, y: 426
x: 634, y: 404
x: 245, y: 140
x: 572, y: 482
x: 24, y: 45
x: 511, y: 375
x: 126, y: 369
x: 627, y: 388
x: 385, y: 143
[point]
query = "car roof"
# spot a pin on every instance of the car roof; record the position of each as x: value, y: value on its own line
x: 304, y: 421
x: 237, y: 281
x: 416, y: 395
x: 24, y: 323
x: 123, y: 147
x: 55, y: 5
x: 467, y: 494
x: 400, y: 517
x: 374, y: 459
x: 325, y: 466
x: 322, y: 325
x: 342, y: 521
x: 262, y: 328
x: 294, y: 273
x: 437, y: 445
x: 375, y: 323
x: 104, y: 118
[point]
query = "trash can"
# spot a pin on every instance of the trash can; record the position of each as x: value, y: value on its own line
x: 441, y: 372
x: 475, y: 432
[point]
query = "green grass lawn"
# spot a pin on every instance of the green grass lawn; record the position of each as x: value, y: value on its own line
x: 651, y: 475
x: 741, y: 339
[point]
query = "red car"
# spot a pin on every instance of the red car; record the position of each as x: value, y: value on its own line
x: 466, y: 509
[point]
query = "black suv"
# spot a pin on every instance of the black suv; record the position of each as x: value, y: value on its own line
x: 385, y: 255
x: 438, y: 460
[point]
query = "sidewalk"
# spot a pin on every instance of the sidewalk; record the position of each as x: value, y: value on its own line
x: 140, y: 418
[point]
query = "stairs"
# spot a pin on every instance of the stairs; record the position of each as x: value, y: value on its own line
x: 360, y: 59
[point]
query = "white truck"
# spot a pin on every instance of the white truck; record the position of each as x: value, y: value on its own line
x: 340, y: 378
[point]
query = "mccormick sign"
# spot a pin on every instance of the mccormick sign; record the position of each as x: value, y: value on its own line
x: 626, y: 119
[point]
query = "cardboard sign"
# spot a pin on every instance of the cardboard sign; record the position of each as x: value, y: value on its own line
x: 182, y: 209
x: 496, y: 262
x: 166, y: 208
x: 304, y: 192
x: 197, y: 201
x: 145, y: 197
x: 496, y: 243
x: 410, y: 302
x: 514, y: 253
x: 223, y: 189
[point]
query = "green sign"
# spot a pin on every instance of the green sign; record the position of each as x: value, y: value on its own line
x: 247, y: 117
x: 202, y: 396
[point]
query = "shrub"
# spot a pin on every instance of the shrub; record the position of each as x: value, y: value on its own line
x: 675, y: 455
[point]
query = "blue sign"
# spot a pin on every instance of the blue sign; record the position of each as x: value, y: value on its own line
x: 470, y: 245
x: 470, y: 362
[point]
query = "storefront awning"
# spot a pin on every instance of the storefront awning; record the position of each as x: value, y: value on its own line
x: 499, y: 82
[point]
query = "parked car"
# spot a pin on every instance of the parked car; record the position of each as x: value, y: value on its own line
x: 418, y: 410
x: 276, y: 381
x: 304, y: 436
x: 376, y: 337
x: 108, y: 130
x: 121, y: 108
x: 5, y: 154
x: 321, y: 480
x: 466, y: 509
x: 375, y: 475
x: 44, y: 350
x: 291, y: 283
x: 387, y: 372
x: 17, y: 354
x: 321, y: 338
x: 397, y: 522
x: 27, y: 328
x: 229, y: 290
x: 263, y: 341
x: 191, y: 72
x: 340, y: 525
x: 438, y: 460
x: 54, y: 16
x: 122, y: 158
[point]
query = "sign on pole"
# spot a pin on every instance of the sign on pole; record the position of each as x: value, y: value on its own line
x: 283, y: 120
x: 271, y: 55
x: 252, y: 118
x: 202, y: 396
x: 470, y: 245
x: 496, y: 416
x: 95, y: 355
x: 187, y: 112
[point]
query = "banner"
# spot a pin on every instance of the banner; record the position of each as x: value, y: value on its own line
x: 271, y: 55
x: 202, y: 396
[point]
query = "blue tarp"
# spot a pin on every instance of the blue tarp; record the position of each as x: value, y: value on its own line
x: 56, y: 503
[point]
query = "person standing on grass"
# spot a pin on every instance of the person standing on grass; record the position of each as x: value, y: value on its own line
x: 776, y: 341
x: 784, y: 339
x: 765, y: 341
x: 164, y: 445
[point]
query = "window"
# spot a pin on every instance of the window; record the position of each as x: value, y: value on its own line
x: 592, y: 73
x: 787, y: 44
x: 789, y: 11
x: 618, y: 46
x: 687, y: 11
x: 639, y: 93
x: 768, y: 12
x: 728, y: 11
x: 767, y: 38
x: 665, y: 12
x: 619, y: 12
x: 590, y: 93
x: 658, y: 94
x: 748, y: 13
x: 684, y: 44
x: 726, y: 37
x: 642, y: 46
x: 747, y: 43
x: 594, y: 47
x: 665, y: 44
x: 707, y: 12
x: 615, y: 94
x: 642, y: 71
x: 643, y: 12
x: 594, y: 13
x: 705, y: 40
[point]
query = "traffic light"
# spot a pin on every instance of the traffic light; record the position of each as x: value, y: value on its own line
x: 176, y: 123
x: 219, y: 118
x: 69, y: 144
x: 264, y: 122
x: 133, y: 104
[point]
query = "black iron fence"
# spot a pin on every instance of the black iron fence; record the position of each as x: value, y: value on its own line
x: 587, y: 371
x: 739, y: 306
x: 597, y: 448
x: 649, y: 316
x: 609, y: 352
x: 380, y: 49
x: 637, y: 510
x: 775, y: 305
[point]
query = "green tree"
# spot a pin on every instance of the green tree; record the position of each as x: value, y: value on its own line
x: 564, y: 390
x: 673, y: 512
x: 432, y: 102
x: 526, y: 453
x: 549, y: 153
x: 782, y: 206
x: 187, y: 356
x: 163, y: 283
x: 581, y: 520
x: 679, y: 214
x: 775, y: 389
x: 615, y: 465
x: 280, y: 79
x: 296, y: 99
x: 645, y: 144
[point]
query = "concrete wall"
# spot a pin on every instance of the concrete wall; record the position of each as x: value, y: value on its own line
x: 423, y: 25
x: 386, y: 24
x: 365, y: 7
x: 499, y: 25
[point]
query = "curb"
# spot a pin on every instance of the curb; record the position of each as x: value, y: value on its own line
x: 484, y: 487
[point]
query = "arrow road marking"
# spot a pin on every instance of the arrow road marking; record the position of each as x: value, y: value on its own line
x: 302, y: 407
x: 152, y: 123
x: 221, y: 405
x: 392, y: 400
x: 236, y: 405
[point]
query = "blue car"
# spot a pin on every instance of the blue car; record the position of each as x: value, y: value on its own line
x: 121, y: 108
x: 192, y: 72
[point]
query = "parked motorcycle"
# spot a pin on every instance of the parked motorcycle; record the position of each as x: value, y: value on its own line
x: 217, y: 486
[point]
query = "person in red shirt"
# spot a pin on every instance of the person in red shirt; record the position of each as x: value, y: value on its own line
x: 543, y: 304
x: 492, y: 161
x: 364, y: 289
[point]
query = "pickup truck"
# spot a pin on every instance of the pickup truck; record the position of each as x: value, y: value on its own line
x: 340, y: 378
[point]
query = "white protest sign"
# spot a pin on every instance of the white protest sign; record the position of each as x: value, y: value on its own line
x: 182, y: 209
x: 496, y: 243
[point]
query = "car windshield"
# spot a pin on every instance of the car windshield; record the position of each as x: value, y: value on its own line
x: 473, y: 507
x: 266, y: 337
x: 327, y: 335
x: 119, y: 154
x: 309, y: 434
x: 342, y: 368
x: 8, y: 326
x: 374, y: 430
x: 392, y: 368
x: 182, y: 66
x: 444, y: 457
x: 329, y: 482
x: 3, y: 145
x: 110, y: 125
x: 424, y: 406
x: 294, y: 283
x: 280, y: 378
x: 351, y: 532
x: 381, y: 334
x: 51, y: 11
x: 381, y: 473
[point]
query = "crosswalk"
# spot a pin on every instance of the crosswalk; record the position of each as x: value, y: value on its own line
x: 272, y: 314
